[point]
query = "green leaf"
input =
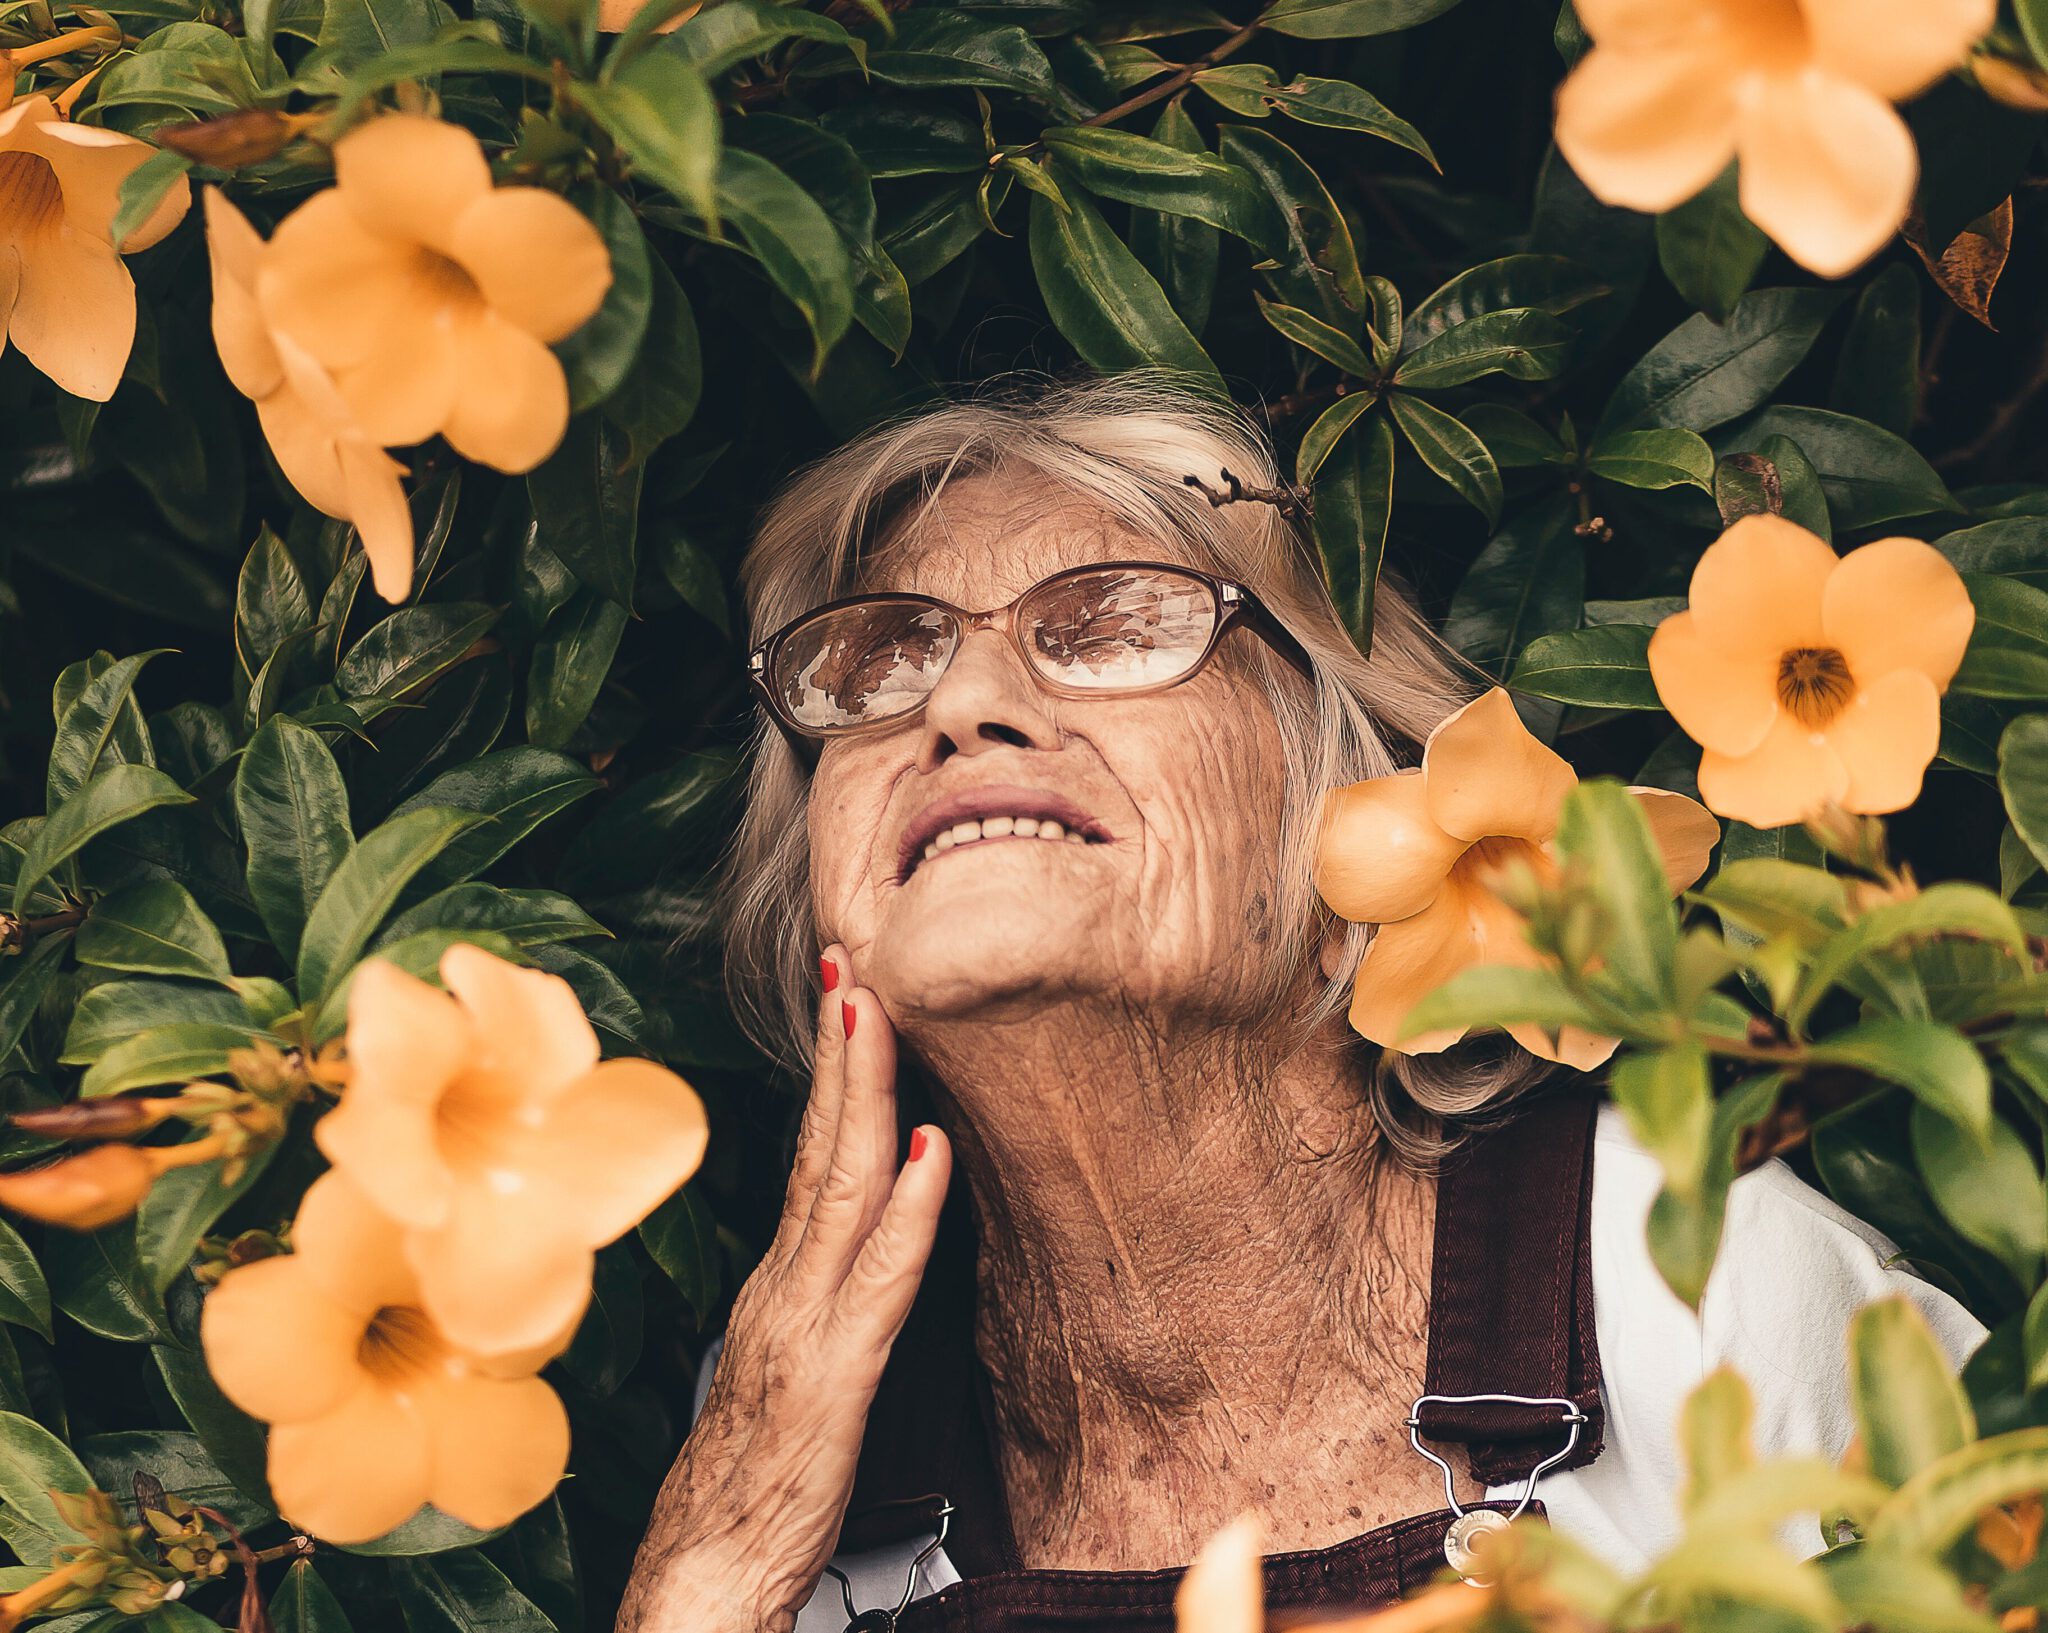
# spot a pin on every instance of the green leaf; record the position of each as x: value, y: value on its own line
x: 939, y: 46
x: 1153, y: 175
x: 723, y: 36
x: 1990, y: 1191
x: 1603, y: 828
x: 1878, y: 373
x: 599, y: 356
x: 659, y: 395
x: 1801, y: 498
x: 570, y: 662
x: 1312, y: 334
x: 143, y: 189
x: 1868, y: 475
x: 305, y: 1604
x: 1938, y: 1064
x: 2023, y: 780
x: 406, y: 652
x: 1940, y: 909
x: 463, y: 1592
x: 1910, y: 1407
x: 116, y: 1010
x: 178, y: 1460
x: 1319, y: 270
x: 795, y: 241
x: 166, y: 1054
x: 682, y: 1237
x: 101, y: 725
x: 608, y: 1341
x: 24, y: 1294
x: 1346, y: 19
x: 660, y: 112
x: 34, y: 1463
x: 514, y: 790
x: 365, y: 887
x: 182, y: 1206
x: 1703, y: 374
x: 1709, y: 249
x: 114, y: 795
x: 2008, y: 652
x: 293, y: 807
x: 354, y: 31
x: 1516, y: 441
x: 1664, y: 458
x: 1452, y: 451
x: 272, y: 602
x: 25, y: 986
x: 233, y: 1439
x: 586, y: 499
x: 1110, y: 309
x: 1254, y: 90
x: 153, y: 928
x: 1545, y: 283
x: 1354, y: 500
x: 1607, y: 667
x: 1939, y: 1503
x: 1497, y: 995
x: 1522, y: 343
x: 527, y: 917
x: 2014, y: 546
x: 1528, y: 581
x: 1181, y: 252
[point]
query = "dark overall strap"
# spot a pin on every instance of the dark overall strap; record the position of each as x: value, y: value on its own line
x: 1511, y: 1289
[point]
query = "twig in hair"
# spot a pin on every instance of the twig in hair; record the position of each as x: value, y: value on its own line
x: 1285, y: 497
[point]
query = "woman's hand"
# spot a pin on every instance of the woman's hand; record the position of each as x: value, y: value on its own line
x: 751, y: 1511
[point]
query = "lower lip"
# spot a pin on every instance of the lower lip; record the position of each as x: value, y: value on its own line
x: 1000, y: 839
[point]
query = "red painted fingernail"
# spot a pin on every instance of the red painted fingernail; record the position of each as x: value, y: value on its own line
x: 916, y: 1143
x: 828, y: 972
x: 846, y: 1014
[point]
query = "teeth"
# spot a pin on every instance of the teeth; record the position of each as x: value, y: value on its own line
x: 1001, y: 827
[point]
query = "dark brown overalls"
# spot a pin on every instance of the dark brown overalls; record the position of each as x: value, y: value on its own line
x: 1511, y: 1312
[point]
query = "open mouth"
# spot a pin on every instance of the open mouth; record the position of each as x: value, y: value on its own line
x: 999, y: 829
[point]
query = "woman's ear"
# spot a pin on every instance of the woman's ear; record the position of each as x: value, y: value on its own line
x: 1333, y: 947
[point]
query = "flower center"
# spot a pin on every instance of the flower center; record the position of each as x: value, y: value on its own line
x: 31, y: 199
x: 445, y: 283
x: 400, y: 1342
x: 1814, y: 684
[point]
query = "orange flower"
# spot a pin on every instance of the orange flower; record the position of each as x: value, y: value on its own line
x: 1224, y: 1591
x: 1807, y: 676
x: 374, y: 1410
x: 320, y: 447
x: 431, y: 296
x: 614, y: 15
x: 1410, y: 853
x: 66, y: 299
x: 481, y: 1120
x: 1800, y: 90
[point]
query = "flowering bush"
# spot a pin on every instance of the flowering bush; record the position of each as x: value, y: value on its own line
x: 388, y: 386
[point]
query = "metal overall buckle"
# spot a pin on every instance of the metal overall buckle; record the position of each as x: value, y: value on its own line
x: 1461, y: 1540
x: 880, y: 1620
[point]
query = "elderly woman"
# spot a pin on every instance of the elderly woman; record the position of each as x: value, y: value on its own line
x: 1031, y: 828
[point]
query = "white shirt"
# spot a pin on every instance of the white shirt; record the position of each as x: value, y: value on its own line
x: 1793, y: 1268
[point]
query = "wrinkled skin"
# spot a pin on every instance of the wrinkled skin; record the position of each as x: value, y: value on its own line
x: 1183, y: 1252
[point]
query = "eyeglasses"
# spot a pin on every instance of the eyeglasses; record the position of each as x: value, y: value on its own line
x: 1110, y: 628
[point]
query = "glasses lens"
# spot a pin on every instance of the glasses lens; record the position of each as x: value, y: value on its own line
x: 862, y: 663
x: 1120, y: 628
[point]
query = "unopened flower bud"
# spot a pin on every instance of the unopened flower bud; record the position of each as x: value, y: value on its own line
x: 109, y: 1119
x: 233, y: 140
x: 87, y: 1191
x: 2013, y: 83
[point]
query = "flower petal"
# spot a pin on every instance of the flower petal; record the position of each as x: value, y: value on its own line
x: 247, y: 352
x: 91, y: 164
x: 537, y: 259
x: 498, y: 1447
x: 1647, y: 129
x: 1723, y: 699
x: 1887, y: 737
x: 1487, y: 774
x: 382, y: 518
x: 1685, y: 831
x: 530, y: 1026
x: 619, y: 1142
x: 277, y: 1342
x: 1790, y: 774
x: 74, y: 316
x: 351, y: 1246
x: 1380, y: 856
x: 1828, y: 168
x: 1898, y: 604
x: 1896, y: 48
x: 513, y: 402
x: 355, y: 1472
x: 334, y: 286
x: 1757, y: 588
x: 502, y: 1274
x: 410, y: 178
x: 407, y: 390
x: 305, y: 452
x: 1466, y: 925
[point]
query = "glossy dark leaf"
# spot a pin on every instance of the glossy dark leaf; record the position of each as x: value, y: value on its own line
x: 515, y: 790
x: 1453, y: 452
x: 294, y: 810
x: 599, y: 356
x: 1354, y: 499
x: 117, y: 794
x: 153, y: 927
x: 1704, y: 374
x: 1111, y: 310
x: 1709, y: 249
x: 586, y: 500
x: 1607, y: 667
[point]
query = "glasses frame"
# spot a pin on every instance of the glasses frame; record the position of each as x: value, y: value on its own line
x: 1235, y: 604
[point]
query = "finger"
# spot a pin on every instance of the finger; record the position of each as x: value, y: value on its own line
x: 877, y: 1293
x: 818, y: 1131
x: 856, y: 1186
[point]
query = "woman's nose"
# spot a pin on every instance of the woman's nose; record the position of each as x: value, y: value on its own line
x: 986, y: 697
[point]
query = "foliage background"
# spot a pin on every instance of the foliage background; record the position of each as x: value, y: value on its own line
x: 571, y: 664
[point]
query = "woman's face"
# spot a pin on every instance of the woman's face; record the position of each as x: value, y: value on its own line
x: 1170, y: 903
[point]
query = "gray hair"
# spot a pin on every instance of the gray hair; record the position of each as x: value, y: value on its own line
x: 1122, y: 445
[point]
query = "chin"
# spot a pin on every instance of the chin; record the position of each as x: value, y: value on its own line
x: 987, y: 957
